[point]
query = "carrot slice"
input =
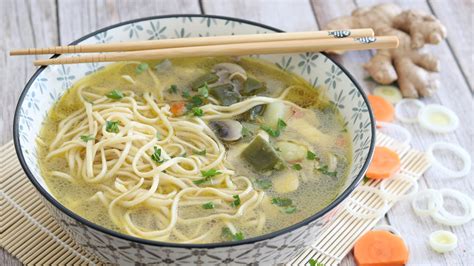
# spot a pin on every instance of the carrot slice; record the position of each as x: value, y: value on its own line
x: 384, y: 164
x: 382, y: 109
x: 380, y: 248
x: 178, y: 108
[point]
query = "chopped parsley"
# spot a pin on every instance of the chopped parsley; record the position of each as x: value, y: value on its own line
x: 173, y: 89
x: 297, y: 167
x: 311, y: 156
x: 282, y: 202
x: 158, y: 135
x: 112, y: 126
x: 325, y: 171
x: 263, y: 183
x: 289, y: 209
x: 141, y: 68
x: 196, y: 101
x: 228, y: 235
x: 203, y: 152
x: 115, y: 94
x: 186, y: 94
x: 236, y: 201
x: 286, y: 204
x: 208, y: 206
x: 275, y: 132
x: 207, y: 176
x: 202, y: 180
x: 197, y: 111
x: 210, y: 173
x: 156, y: 156
x: 86, y: 138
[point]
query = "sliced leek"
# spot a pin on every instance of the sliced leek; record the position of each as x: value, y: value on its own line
x: 438, y: 119
x: 434, y: 202
x: 389, y: 93
x: 443, y: 241
x: 460, y: 152
x: 408, y: 106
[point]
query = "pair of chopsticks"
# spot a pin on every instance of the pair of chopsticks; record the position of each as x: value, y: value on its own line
x: 235, y: 45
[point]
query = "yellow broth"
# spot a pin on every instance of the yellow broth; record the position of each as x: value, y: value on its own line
x: 326, y: 138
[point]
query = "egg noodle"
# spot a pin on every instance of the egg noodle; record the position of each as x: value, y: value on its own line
x: 122, y: 166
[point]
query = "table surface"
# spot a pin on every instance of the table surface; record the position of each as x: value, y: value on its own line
x: 30, y: 23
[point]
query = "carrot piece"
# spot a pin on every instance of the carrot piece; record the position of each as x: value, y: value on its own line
x: 380, y: 248
x: 382, y: 109
x: 178, y: 108
x: 384, y: 164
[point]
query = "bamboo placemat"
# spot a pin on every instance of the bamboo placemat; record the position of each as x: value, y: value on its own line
x: 29, y: 233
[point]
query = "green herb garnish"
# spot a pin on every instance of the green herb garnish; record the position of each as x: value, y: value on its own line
x: 275, y: 132
x: 238, y: 236
x: 285, y: 203
x: 203, y: 152
x: 186, y: 94
x: 289, y: 209
x: 207, y: 176
x: 210, y: 173
x: 311, y: 156
x: 197, y: 111
x: 158, y: 135
x: 282, y: 202
x: 270, y: 131
x: 196, y: 101
x: 141, y: 67
x: 115, y: 94
x: 156, y: 156
x: 297, y: 167
x: 86, y: 138
x: 236, y: 201
x: 112, y: 126
x: 263, y: 183
x: 173, y: 89
x: 208, y: 206
x: 325, y: 171
x: 228, y: 235
x: 202, y: 180
x: 281, y: 124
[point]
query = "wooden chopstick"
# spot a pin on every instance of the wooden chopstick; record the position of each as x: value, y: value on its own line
x: 294, y: 46
x: 187, y: 42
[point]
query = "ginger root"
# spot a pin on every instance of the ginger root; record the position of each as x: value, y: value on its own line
x: 408, y: 64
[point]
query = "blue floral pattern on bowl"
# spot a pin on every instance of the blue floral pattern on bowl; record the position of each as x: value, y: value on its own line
x: 49, y: 83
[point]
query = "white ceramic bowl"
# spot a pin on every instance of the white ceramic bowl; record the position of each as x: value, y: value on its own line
x: 49, y: 83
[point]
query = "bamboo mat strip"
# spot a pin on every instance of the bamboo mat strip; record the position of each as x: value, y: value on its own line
x: 46, y: 243
x: 338, y: 237
x: 27, y: 230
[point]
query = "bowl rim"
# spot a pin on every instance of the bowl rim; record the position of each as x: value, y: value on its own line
x: 126, y: 237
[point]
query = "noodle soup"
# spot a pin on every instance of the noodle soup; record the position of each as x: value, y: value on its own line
x: 194, y: 150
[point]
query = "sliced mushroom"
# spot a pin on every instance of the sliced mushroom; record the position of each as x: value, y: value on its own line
x: 229, y: 71
x: 227, y: 130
